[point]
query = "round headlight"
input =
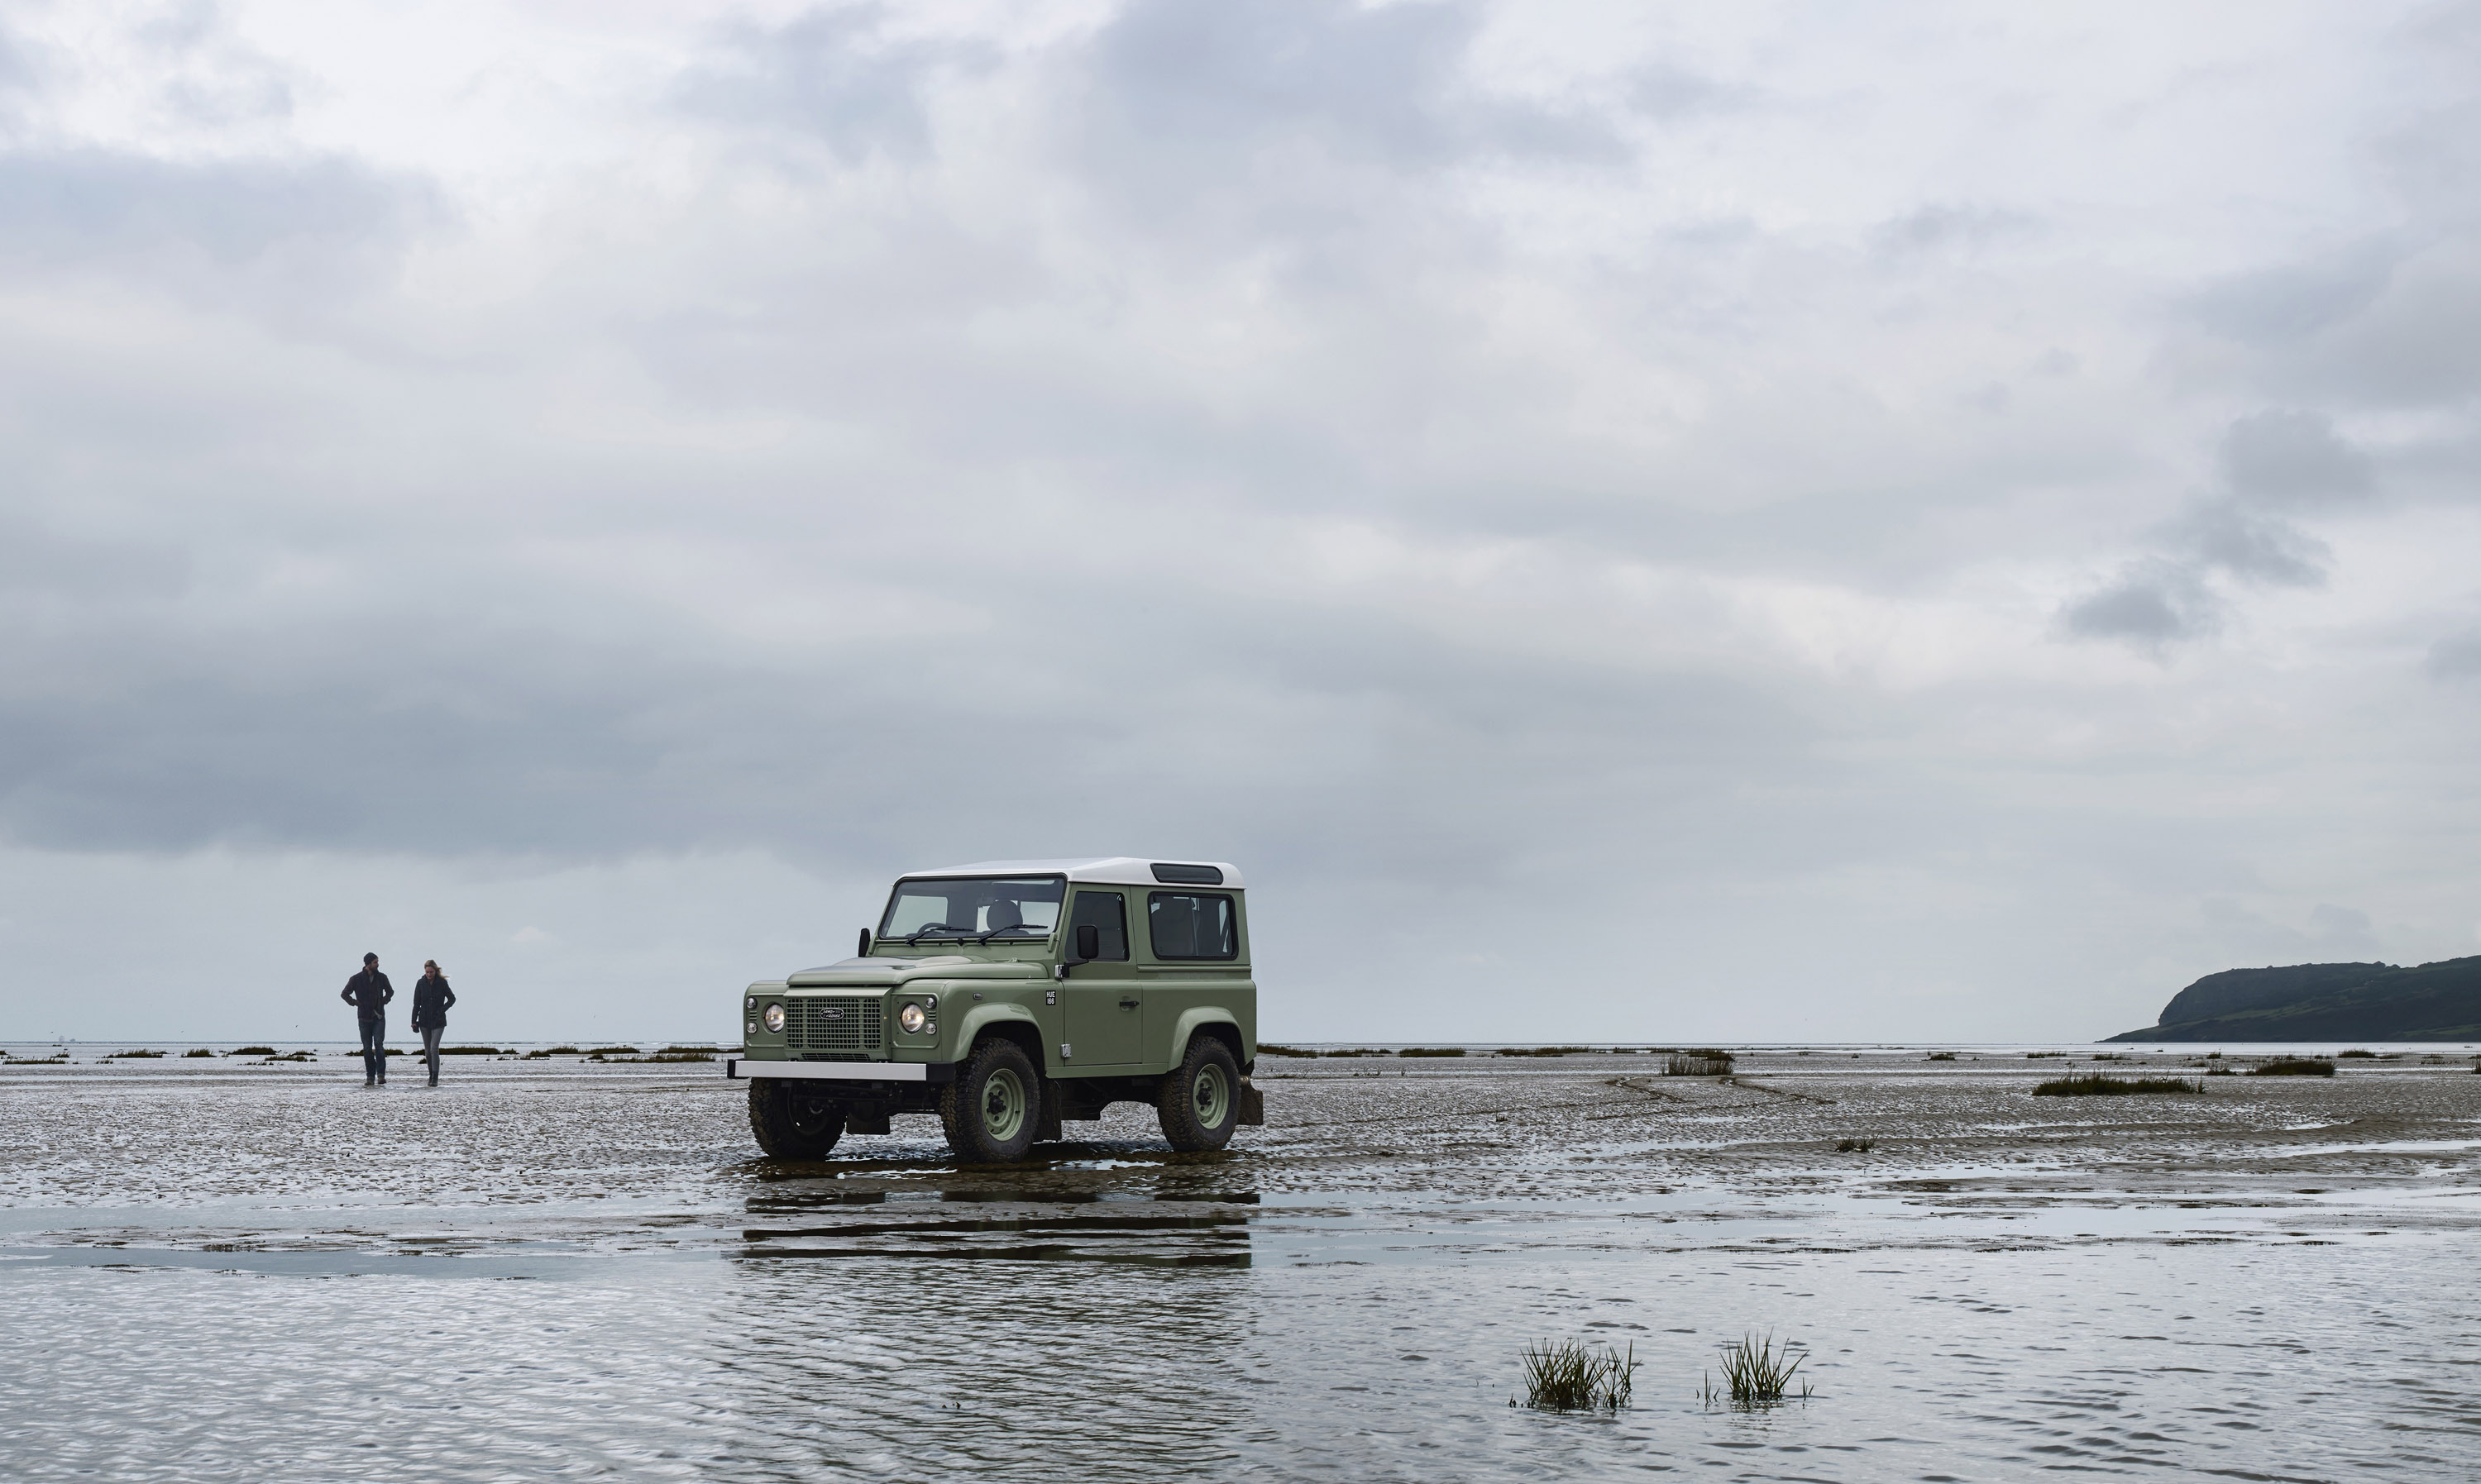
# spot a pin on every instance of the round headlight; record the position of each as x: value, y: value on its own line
x: 911, y: 1018
x: 773, y: 1019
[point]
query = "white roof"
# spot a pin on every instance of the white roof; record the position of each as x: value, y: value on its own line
x: 1116, y: 870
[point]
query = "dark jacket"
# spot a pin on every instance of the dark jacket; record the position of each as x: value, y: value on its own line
x: 368, y: 993
x: 431, y: 999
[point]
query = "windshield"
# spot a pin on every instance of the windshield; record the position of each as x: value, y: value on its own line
x: 978, y: 907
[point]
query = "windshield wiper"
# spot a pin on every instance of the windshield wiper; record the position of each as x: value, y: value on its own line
x: 986, y: 938
x: 927, y: 928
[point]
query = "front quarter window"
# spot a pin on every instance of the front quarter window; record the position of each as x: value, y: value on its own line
x: 1193, y: 925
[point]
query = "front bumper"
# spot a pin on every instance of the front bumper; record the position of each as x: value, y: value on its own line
x: 842, y: 1071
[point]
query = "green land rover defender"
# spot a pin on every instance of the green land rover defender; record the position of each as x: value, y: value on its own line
x: 1008, y: 996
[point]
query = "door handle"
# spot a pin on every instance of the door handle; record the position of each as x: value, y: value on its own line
x: 1128, y: 1005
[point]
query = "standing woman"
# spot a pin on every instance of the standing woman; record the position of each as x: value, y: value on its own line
x: 432, y: 998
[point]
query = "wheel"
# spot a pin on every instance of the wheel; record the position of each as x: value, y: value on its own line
x: 990, y: 1109
x: 1200, y: 1100
x: 791, y: 1121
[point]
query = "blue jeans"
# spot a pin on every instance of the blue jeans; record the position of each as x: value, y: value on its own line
x: 375, y: 1047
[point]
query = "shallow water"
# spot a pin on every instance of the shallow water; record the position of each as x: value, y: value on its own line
x: 212, y: 1270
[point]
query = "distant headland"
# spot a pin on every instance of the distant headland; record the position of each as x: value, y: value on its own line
x: 2440, y: 1001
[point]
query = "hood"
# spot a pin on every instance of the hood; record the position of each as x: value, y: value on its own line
x: 879, y: 973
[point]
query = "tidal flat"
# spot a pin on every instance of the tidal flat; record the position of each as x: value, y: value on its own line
x: 555, y: 1268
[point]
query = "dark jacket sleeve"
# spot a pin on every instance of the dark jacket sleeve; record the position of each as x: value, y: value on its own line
x: 388, y: 991
x: 447, y: 996
x: 348, y: 994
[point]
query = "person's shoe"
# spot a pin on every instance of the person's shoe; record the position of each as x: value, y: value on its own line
x: 369, y: 1081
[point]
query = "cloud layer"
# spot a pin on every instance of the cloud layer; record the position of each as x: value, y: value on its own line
x: 1627, y: 524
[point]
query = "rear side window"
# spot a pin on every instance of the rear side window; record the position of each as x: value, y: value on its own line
x: 1193, y: 925
x: 1109, y: 913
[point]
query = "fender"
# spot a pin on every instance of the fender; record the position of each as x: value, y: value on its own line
x: 1188, y: 1023
x: 982, y: 1017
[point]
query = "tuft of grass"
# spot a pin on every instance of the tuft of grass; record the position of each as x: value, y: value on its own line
x: 2294, y: 1066
x: 200, y: 1052
x: 1575, y: 1376
x: 2364, y: 1056
x: 2039, y: 1056
x: 613, y: 1050
x: 1941, y: 1057
x: 471, y: 1051
x: 301, y: 1055
x: 2098, y: 1085
x: 554, y: 1051
x: 1855, y: 1146
x: 251, y: 1051
x: 1756, y: 1373
x: 1542, y: 1050
x: 129, y: 1056
x: 1698, y: 1063
x: 1431, y: 1051
x: 1270, y: 1048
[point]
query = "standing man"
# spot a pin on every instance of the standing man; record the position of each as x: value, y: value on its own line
x: 368, y: 993
x: 432, y: 998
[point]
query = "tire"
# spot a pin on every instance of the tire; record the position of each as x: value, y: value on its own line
x: 793, y: 1122
x: 1200, y: 1100
x: 991, y: 1109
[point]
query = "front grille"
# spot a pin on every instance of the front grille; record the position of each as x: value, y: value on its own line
x: 836, y: 1022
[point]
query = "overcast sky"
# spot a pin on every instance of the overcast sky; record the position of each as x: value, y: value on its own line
x: 1665, y: 522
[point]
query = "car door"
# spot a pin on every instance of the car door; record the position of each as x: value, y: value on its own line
x: 1105, y: 1003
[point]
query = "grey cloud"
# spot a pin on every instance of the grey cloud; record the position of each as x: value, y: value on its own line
x: 2223, y: 534
x: 2290, y: 301
x: 2277, y: 460
x: 1941, y: 228
x: 1668, y: 93
x: 283, y: 233
x: 1198, y: 85
x: 2293, y: 461
x: 833, y: 75
x: 2153, y: 605
x: 2457, y: 657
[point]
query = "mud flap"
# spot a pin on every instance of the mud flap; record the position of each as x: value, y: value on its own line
x: 1046, y: 1123
x: 1253, y: 1106
x: 859, y: 1122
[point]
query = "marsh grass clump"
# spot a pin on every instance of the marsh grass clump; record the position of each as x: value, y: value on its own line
x: 2220, y: 1069
x: 1270, y: 1049
x: 251, y: 1051
x: 2294, y: 1066
x: 2100, y: 1085
x: 554, y: 1051
x: 1756, y: 1373
x: 129, y: 1056
x: 613, y: 1050
x: 1542, y: 1050
x: 199, y: 1051
x: 1431, y: 1051
x: 1705, y: 1061
x: 2356, y: 1055
x: 471, y: 1051
x: 1941, y: 1057
x: 1573, y: 1375
x: 2044, y: 1056
x: 1855, y: 1146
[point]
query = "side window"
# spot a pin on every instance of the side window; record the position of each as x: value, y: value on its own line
x: 1191, y: 925
x: 1107, y: 912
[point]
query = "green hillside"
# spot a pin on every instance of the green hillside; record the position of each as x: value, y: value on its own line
x: 2440, y: 1001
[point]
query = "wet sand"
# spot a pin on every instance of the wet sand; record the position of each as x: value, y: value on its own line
x: 542, y: 1269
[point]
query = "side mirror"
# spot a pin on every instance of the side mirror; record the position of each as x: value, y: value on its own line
x: 863, y: 951
x: 1090, y: 942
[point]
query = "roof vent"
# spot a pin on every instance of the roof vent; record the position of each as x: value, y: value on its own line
x: 1188, y: 875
